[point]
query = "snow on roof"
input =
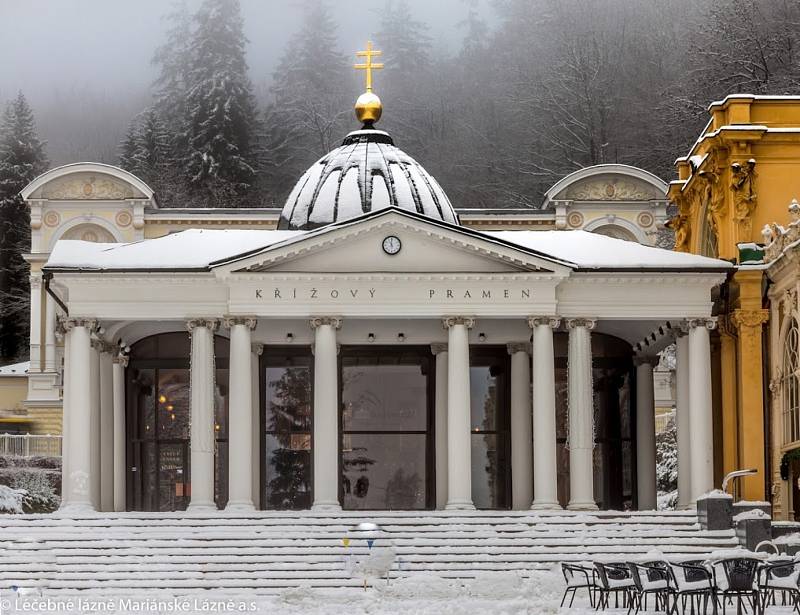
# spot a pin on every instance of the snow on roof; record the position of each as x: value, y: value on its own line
x: 16, y: 369
x: 189, y: 249
x: 593, y: 251
x: 197, y: 249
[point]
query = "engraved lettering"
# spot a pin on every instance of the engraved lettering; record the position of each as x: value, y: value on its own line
x: 313, y: 293
x: 353, y: 293
x: 294, y: 293
x: 372, y: 293
x: 505, y: 294
x: 277, y: 293
x: 526, y: 293
x: 431, y: 292
x: 334, y: 294
x: 486, y: 294
x: 467, y: 295
x: 258, y: 293
x: 449, y: 294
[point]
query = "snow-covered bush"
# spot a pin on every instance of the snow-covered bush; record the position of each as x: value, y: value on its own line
x: 11, y: 500
x: 40, y: 497
x: 667, y: 466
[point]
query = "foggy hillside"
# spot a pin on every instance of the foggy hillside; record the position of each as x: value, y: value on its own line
x: 496, y: 98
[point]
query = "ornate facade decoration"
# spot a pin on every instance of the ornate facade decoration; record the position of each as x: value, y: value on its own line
x: 712, y: 195
x: 88, y: 187
x: 610, y: 189
x: 744, y: 196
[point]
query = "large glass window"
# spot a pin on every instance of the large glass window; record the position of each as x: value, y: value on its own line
x: 387, y: 440
x: 159, y: 423
x: 791, y: 383
x: 286, y: 464
x: 489, y: 410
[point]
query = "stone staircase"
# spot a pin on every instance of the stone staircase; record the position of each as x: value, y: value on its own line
x: 267, y: 552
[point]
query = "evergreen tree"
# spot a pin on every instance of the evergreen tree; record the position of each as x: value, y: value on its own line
x: 313, y: 100
x: 128, y: 146
x: 152, y: 153
x: 22, y: 158
x: 221, y: 120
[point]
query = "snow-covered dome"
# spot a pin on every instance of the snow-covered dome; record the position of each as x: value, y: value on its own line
x: 366, y: 173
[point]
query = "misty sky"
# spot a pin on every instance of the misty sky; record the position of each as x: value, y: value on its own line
x: 62, y: 45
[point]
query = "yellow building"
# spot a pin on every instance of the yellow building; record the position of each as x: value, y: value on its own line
x: 739, y: 176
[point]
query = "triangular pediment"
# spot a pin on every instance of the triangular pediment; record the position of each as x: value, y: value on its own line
x: 425, y: 247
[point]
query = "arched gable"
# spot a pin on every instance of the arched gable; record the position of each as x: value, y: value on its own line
x: 608, y: 182
x: 84, y: 181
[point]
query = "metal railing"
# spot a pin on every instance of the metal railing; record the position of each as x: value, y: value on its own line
x: 28, y: 445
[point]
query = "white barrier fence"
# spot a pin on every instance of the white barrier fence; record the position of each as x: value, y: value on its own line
x: 28, y: 445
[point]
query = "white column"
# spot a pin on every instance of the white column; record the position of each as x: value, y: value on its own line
x: 50, y: 334
x: 326, y: 414
x: 440, y: 424
x: 36, y: 323
x: 521, y: 430
x: 682, y: 420
x: 545, y: 476
x: 701, y: 428
x: 118, y: 385
x: 76, y: 485
x: 94, y: 407
x: 66, y: 418
x: 107, y: 428
x: 645, y: 433
x: 459, y: 445
x: 257, y: 350
x: 240, y: 418
x: 581, y: 415
x: 201, y: 383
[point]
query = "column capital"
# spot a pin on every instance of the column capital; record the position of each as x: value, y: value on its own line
x: 552, y: 321
x: 438, y: 348
x: 121, y: 359
x: 708, y: 323
x: 209, y: 323
x: 587, y: 323
x: 515, y: 347
x: 104, y: 346
x: 317, y: 321
x: 249, y: 321
x: 646, y: 360
x: 87, y: 323
x: 749, y: 319
x: 449, y: 321
x: 257, y: 349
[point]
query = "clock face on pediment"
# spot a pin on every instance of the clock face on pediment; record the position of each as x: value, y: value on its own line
x: 392, y: 245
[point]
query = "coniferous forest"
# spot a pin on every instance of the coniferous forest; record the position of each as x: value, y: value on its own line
x: 532, y: 92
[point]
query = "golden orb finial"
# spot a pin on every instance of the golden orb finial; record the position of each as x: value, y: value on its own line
x: 368, y: 106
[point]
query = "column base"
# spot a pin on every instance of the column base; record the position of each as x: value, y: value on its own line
x: 240, y: 506
x: 326, y: 507
x: 203, y: 506
x: 582, y: 506
x: 546, y: 506
x: 77, y: 508
x: 460, y: 505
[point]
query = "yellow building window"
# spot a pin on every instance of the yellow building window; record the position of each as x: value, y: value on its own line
x: 791, y: 383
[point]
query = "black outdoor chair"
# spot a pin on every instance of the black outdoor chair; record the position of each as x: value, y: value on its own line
x: 649, y: 578
x: 578, y: 577
x: 780, y: 577
x: 691, y: 583
x: 735, y: 578
x: 613, y: 579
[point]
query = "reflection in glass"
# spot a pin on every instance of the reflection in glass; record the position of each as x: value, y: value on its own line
x: 287, y: 450
x: 385, y: 429
x: 491, y: 471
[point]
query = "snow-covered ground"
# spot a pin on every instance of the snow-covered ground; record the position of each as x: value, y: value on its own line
x: 495, y: 593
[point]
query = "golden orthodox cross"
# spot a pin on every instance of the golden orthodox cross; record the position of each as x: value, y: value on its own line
x: 368, y: 66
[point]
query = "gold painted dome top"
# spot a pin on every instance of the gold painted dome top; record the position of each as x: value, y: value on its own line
x: 368, y: 106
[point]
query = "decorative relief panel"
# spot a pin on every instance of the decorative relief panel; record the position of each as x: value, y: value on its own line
x: 610, y: 188
x: 575, y: 219
x: 89, y: 186
x: 123, y: 218
x: 89, y: 232
x: 52, y: 218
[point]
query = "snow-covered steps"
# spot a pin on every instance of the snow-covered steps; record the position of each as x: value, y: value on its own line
x: 271, y: 551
